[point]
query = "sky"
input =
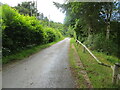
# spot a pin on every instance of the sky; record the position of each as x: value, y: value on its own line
x: 44, y: 6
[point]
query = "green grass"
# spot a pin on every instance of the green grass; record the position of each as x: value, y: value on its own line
x: 100, y: 76
x: 26, y: 53
x: 75, y: 69
x: 110, y: 60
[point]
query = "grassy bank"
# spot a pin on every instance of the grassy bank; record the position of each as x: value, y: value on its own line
x: 107, y: 59
x: 79, y: 79
x: 100, y: 76
x: 25, y: 53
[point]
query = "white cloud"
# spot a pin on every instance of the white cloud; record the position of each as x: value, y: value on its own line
x: 44, y: 6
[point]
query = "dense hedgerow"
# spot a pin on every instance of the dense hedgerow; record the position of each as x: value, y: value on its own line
x: 52, y: 34
x: 20, y: 32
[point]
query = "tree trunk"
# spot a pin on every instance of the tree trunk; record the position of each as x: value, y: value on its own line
x: 108, y: 31
x: 109, y: 13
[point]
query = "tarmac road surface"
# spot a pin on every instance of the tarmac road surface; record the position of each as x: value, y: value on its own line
x: 48, y: 68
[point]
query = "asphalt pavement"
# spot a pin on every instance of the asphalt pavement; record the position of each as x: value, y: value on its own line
x: 48, y: 68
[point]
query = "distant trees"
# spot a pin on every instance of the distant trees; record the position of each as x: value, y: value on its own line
x: 27, y: 8
x: 95, y: 23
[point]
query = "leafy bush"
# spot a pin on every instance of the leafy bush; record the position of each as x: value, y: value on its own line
x: 99, y: 43
x: 20, y: 32
x: 59, y: 35
x: 52, y: 34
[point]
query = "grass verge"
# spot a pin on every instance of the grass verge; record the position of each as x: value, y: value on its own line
x: 75, y: 69
x: 107, y: 59
x: 100, y: 76
x: 25, y: 53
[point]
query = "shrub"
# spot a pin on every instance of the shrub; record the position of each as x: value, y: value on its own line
x: 102, y: 45
x: 20, y: 32
x: 51, y: 34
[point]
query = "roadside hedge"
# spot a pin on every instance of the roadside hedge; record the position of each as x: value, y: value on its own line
x: 52, y: 34
x: 20, y: 32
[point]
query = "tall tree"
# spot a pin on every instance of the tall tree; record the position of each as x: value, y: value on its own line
x: 27, y: 8
x: 95, y: 20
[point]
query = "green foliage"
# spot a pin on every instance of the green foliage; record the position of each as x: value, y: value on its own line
x: 27, y: 8
x: 20, y: 32
x: 90, y: 19
x: 52, y: 34
x: 98, y: 43
x: 70, y: 32
x: 58, y: 34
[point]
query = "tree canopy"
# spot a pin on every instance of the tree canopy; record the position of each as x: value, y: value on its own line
x: 95, y: 23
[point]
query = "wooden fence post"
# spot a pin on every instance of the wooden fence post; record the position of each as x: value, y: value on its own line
x: 76, y: 42
x: 83, y: 49
x: 116, y: 71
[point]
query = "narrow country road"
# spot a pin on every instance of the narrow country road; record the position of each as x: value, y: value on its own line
x: 48, y: 68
